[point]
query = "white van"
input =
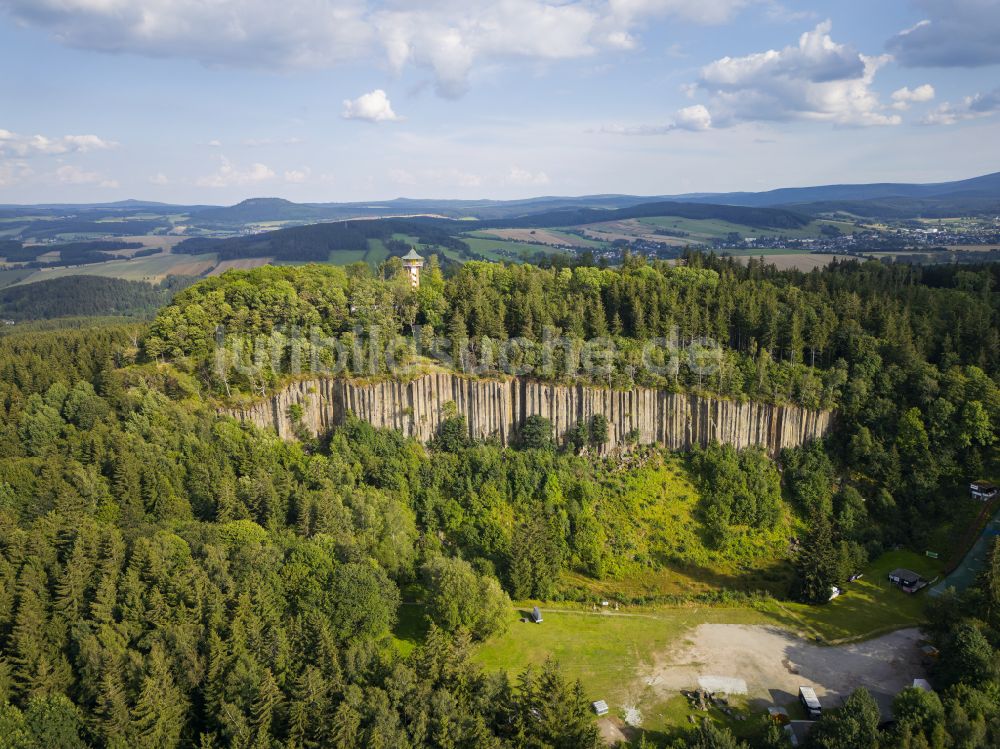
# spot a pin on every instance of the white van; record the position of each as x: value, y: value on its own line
x: 809, y: 700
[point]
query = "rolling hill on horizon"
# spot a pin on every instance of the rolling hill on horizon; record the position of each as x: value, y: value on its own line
x: 969, y: 196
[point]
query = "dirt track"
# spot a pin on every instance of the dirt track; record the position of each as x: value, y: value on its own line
x: 774, y: 663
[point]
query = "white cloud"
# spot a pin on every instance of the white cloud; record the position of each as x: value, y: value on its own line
x: 297, y: 176
x: 438, y: 177
x: 695, y: 117
x: 519, y: 176
x: 371, y: 107
x: 42, y: 145
x: 229, y: 175
x: 13, y: 172
x: 448, y: 37
x: 902, y: 98
x: 699, y: 11
x: 817, y: 80
x: 954, y: 33
x: 159, y: 179
x: 972, y: 107
x: 73, y: 175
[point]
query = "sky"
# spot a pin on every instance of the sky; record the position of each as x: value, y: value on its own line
x: 215, y: 101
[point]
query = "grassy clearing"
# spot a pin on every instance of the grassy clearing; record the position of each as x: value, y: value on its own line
x: 655, y: 544
x: 868, y: 607
x: 715, y: 228
x: 605, y: 651
x: 346, y: 257
x: 411, y: 628
x: 538, y: 236
x: 377, y: 252
x: 612, y: 652
x: 498, y: 249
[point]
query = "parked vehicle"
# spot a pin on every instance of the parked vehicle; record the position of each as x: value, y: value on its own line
x: 809, y: 700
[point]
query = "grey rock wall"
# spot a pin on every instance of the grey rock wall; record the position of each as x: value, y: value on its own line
x: 498, y: 407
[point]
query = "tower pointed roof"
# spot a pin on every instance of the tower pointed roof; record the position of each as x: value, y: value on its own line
x: 412, y: 255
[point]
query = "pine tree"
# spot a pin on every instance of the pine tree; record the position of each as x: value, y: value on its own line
x: 160, y: 712
x: 818, y: 561
x: 263, y: 710
x: 111, y: 714
x: 346, y: 731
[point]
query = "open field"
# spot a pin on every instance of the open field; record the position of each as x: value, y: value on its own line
x: 493, y: 248
x: 714, y: 228
x: 538, y: 236
x: 698, y: 231
x: 377, y: 252
x: 640, y: 656
x: 152, y: 269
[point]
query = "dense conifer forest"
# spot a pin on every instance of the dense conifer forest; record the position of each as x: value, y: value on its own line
x: 86, y: 296
x: 170, y: 577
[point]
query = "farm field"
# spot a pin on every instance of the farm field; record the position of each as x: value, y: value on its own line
x: 538, y: 236
x: 711, y: 228
x: 498, y: 249
x: 152, y: 269
x: 697, y: 231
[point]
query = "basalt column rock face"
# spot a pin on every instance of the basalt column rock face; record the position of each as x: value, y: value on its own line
x: 496, y: 408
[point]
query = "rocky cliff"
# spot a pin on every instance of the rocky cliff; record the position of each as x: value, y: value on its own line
x: 495, y: 408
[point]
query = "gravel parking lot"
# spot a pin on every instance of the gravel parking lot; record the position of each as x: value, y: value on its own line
x: 774, y: 663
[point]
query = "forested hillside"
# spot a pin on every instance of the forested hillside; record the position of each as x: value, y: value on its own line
x: 907, y: 356
x: 86, y: 296
x: 169, y: 577
x: 775, y: 218
x: 315, y: 242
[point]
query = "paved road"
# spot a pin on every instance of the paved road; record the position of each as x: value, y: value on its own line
x: 973, y: 563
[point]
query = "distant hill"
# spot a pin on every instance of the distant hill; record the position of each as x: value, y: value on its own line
x: 973, y: 196
x: 85, y: 296
x: 769, y: 218
x: 315, y: 242
x: 963, y: 195
x: 946, y: 206
x: 259, y: 210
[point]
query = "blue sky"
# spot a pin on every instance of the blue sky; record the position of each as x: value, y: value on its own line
x: 200, y: 101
